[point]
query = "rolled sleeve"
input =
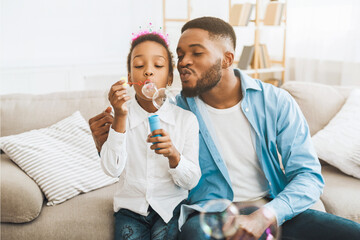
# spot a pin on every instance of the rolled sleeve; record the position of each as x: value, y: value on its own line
x: 281, y: 210
x: 187, y: 173
x: 115, y: 139
x: 302, y: 168
x: 113, y: 153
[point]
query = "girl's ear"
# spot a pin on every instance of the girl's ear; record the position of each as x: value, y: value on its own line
x: 170, y: 79
x: 129, y: 80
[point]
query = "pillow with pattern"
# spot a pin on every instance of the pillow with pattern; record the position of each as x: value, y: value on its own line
x: 62, y: 159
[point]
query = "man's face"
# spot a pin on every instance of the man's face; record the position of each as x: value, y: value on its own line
x: 199, y: 62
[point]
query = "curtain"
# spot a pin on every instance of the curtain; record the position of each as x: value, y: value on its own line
x: 323, y: 41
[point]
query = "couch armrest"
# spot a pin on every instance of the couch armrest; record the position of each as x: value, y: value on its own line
x: 21, y: 198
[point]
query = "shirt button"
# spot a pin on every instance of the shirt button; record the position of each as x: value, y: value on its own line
x: 246, y: 109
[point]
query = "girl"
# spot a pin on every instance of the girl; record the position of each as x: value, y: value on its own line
x: 155, y: 173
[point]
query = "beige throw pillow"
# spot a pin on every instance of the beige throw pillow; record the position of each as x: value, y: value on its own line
x: 318, y: 102
x: 339, y: 142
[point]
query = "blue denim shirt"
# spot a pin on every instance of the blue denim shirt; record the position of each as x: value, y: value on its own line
x: 277, y: 125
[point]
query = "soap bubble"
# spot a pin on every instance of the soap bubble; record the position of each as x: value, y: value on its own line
x: 219, y: 220
x: 149, y: 89
x: 158, y: 96
x: 123, y: 78
x: 161, y: 96
x: 212, y: 222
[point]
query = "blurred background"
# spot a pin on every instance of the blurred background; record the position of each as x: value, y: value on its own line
x: 70, y: 45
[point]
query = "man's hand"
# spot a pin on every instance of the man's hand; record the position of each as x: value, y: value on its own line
x: 99, y: 126
x: 167, y: 149
x: 250, y: 226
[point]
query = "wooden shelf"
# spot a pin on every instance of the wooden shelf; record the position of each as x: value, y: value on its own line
x: 175, y: 20
x: 165, y: 19
x: 257, y: 25
x: 261, y: 27
x: 264, y: 70
x: 261, y: 20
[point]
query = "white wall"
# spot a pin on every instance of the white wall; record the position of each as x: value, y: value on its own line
x: 67, y: 45
x: 324, y: 41
x: 63, y: 45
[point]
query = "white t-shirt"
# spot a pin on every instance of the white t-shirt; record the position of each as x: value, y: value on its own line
x: 233, y: 133
x: 145, y: 177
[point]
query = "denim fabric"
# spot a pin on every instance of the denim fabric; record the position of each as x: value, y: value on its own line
x: 278, y: 125
x: 131, y: 226
x: 309, y: 225
x: 315, y: 225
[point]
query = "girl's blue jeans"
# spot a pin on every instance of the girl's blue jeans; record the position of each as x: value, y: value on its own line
x: 131, y: 226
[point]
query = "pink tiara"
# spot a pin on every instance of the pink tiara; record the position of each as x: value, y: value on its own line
x: 150, y: 31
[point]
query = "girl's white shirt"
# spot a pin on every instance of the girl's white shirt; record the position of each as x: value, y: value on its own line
x: 145, y: 178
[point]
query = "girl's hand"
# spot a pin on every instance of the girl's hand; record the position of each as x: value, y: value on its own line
x: 118, y: 97
x: 165, y: 146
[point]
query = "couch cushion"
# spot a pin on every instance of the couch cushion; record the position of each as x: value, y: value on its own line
x: 86, y: 217
x: 23, y: 112
x: 318, y: 102
x: 341, y: 194
x: 319, y: 205
x: 21, y: 198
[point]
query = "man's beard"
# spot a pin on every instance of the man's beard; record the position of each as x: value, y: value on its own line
x: 207, y: 81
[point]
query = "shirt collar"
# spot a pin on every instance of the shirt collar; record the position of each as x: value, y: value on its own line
x: 246, y: 81
x: 138, y: 115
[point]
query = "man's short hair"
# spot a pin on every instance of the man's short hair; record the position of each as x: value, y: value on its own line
x: 215, y: 26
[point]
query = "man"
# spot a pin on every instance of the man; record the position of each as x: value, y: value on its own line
x: 244, y: 124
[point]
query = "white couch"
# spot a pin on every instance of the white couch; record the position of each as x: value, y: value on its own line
x: 89, y: 216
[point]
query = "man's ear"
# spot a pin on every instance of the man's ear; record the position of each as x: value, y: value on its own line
x: 170, y: 79
x: 228, y: 59
x: 129, y: 80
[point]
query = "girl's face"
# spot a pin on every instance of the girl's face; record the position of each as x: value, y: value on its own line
x: 149, y: 62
